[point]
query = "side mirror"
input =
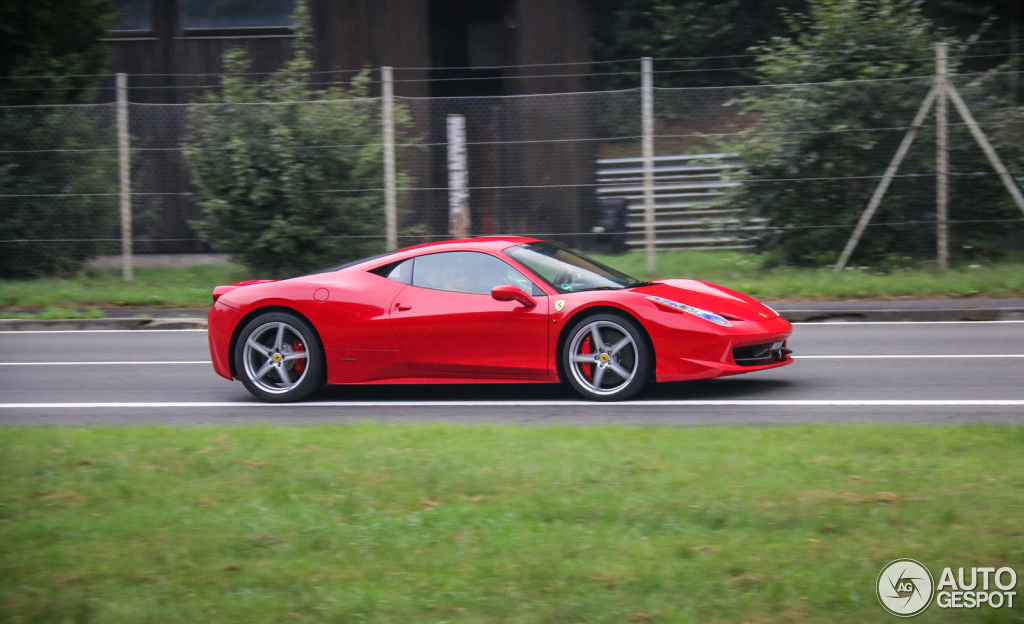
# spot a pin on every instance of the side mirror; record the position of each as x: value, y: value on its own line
x: 507, y: 292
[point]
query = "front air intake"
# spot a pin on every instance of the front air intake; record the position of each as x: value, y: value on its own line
x: 760, y: 354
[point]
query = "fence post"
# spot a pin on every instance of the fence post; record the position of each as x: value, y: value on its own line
x: 123, y: 156
x: 941, y: 158
x: 647, y: 113
x: 1014, y: 58
x: 883, y: 185
x: 458, y: 177
x: 390, y: 194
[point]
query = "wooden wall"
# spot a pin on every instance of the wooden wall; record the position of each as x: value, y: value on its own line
x: 373, y: 33
x: 353, y: 34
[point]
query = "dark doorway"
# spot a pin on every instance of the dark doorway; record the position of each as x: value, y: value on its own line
x: 469, y: 39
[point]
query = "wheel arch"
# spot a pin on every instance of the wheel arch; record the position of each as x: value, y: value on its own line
x: 263, y: 310
x: 579, y: 316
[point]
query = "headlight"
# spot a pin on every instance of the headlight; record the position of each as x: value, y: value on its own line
x: 717, y: 319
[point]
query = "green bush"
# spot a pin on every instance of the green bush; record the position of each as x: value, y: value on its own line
x: 851, y: 79
x: 290, y: 179
x: 56, y: 179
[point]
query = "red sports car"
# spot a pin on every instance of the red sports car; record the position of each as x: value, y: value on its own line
x: 486, y: 310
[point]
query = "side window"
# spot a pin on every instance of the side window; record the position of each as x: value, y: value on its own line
x: 467, y: 272
x: 398, y: 271
x: 402, y: 272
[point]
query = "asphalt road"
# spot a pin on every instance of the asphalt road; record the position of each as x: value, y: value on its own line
x: 844, y: 373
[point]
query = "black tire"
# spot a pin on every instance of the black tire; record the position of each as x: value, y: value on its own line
x: 618, y: 368
x: 267, y: 358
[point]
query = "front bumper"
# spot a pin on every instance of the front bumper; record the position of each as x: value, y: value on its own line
x: 746, y: 347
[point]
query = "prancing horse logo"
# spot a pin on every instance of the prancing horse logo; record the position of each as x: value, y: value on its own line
x: 559, y: 305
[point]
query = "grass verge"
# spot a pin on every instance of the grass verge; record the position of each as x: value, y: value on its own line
x: 746, y: 273
x: 190, y: 287
x: 432, y: 523
x: 186, y: 287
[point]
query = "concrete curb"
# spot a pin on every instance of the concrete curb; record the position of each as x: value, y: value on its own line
x: 101, y: 324
x: 882, y: 315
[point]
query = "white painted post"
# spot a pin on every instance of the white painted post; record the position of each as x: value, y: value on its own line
x: 647, y: 113
x: 941, y: 158
x: 390, y: 192
x: 124, y: 161
x: 458, y: 178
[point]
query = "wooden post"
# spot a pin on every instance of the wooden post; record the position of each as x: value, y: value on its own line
x: 883, y: 186
x: 990, y: 152
x: 1014, y: 58
x: 647, y: 118
x: 125, y: 175
x: 941, y: 158
x: 390, y: 192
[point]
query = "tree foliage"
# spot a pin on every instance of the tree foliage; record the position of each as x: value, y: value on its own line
x: 290, y: 178
x: 854, y: 75
x: 55, y: 209
x: 707, y: 40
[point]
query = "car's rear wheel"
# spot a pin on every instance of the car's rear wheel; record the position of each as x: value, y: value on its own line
x: 606, y: 357
x: 279, y: 359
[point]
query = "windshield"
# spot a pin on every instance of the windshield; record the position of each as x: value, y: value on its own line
x: 568, y: 271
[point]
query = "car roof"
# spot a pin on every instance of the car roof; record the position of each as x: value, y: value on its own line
x: 494, y: 243
x: 484, y: 243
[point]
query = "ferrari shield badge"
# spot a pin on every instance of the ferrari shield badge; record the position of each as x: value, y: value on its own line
x: 559, y: 305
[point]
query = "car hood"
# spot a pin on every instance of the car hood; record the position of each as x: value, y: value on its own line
x: 710, y: 297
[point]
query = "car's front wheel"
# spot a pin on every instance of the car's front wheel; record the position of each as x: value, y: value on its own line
x: 279, y: 359
x: 606, y: 358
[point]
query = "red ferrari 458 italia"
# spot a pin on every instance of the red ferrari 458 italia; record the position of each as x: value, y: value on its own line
x: 486, y: 310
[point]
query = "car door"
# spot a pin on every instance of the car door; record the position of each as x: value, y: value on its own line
x: 446, y: 320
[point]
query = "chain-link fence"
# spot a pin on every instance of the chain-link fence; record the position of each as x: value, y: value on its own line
x: 788, y: 169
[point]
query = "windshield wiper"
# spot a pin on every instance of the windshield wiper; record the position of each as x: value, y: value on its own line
x: 589, y: 288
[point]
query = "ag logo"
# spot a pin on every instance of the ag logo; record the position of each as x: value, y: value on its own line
x: 559, y: 305
x: 905, y: 587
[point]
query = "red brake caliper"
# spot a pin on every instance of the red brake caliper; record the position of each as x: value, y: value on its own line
x: 588, y: 369
x: 300, y: 365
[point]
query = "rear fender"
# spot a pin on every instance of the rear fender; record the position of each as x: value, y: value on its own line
x: 258, y: 311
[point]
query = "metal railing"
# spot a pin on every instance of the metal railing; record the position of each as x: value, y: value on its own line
x: 688, y: 211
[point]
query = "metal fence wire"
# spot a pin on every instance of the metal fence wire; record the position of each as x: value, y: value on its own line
x: 734, y: 167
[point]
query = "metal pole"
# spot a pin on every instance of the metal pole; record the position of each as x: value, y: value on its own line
x: 123, y: 156
x: 883, y: 186
x: 390, y: 192
x: 941, y: 158
x: 647, y: 106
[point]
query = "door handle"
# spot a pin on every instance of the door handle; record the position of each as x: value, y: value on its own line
x: 401, y: 307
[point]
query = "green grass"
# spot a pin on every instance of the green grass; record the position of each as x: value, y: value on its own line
x: 191, y: 287
x: 188, y: 287
x: 745, y: 273
x: 439, y: 523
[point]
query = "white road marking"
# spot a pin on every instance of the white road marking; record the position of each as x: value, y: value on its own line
x: 941, y: 356
x: 897, y: 357
x: 590, y: 404
x: 812, y: 324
